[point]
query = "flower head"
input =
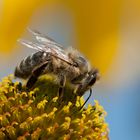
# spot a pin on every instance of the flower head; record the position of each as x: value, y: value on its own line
x: 38, y: 114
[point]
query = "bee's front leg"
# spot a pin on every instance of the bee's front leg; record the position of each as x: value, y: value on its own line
x: 87, y: 84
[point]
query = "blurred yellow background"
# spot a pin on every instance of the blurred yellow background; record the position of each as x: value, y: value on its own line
x: 96, y: 25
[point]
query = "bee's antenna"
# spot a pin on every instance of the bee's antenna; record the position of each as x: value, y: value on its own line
x: 86, y: 99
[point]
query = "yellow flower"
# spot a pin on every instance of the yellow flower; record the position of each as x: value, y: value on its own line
x: 40, y: 117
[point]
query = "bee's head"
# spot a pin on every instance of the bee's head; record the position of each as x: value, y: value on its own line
x: 79, y: 60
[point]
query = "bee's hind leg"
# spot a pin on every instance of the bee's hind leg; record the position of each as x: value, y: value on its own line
x: 35, y: 74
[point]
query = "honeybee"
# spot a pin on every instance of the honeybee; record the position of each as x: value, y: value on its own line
x: 66, y: 63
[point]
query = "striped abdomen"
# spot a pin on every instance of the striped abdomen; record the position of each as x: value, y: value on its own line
x: 25, y: 68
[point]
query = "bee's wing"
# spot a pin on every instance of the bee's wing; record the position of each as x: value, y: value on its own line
x: 43, y: 39
x: 35, y: 46
x: 46, y: 44
x: 50, y: 44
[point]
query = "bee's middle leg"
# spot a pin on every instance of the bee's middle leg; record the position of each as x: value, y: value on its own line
x: 62, y: 85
